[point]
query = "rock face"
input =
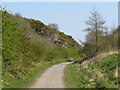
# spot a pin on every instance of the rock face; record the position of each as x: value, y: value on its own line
x: 55, y: 36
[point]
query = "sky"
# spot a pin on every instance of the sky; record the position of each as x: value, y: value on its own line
x: 70, y: 16
x: 119, y: 13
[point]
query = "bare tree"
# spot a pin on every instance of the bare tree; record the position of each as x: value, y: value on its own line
x: 54, y: 26
x: 18, y: 14
x: 96, y: 26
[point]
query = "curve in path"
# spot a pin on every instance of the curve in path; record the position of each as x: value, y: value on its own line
x: 52, y: 77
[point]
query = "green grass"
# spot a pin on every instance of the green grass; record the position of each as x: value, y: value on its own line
x: 25, y: 81
x: 76, y: 77
x: 100, y: 74
x: 26, y: 53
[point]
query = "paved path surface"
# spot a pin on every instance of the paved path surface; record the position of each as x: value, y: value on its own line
x: 52, y: 77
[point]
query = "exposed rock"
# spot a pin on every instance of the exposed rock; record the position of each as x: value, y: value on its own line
x: 55, y: 36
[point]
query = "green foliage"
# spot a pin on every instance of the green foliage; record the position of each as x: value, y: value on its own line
x: 96, y: 29
x: 108, y: 42
x: 24, y: 78
x: 35, y: 24
x: 46, y: 31
x: 99, y: 74
x: 25, y: 51
x: 109, y: 67
x: 75, y: 77
x: 98, y: 38
x: 10, y: 43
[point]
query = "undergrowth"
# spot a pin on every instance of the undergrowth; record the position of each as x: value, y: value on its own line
x: 102, y: 73
x: 25, y: 52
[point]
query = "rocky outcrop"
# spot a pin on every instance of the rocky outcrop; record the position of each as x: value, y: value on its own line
x: 55, y: 36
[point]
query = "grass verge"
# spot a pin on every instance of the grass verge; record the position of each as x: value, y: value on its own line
x: 102, y: 73
x: 26, y: 79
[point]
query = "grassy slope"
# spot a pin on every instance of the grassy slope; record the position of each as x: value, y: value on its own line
x: 25, y: 53
x: 100, y: 74
x: 31, y: 75
x: 0, y: 48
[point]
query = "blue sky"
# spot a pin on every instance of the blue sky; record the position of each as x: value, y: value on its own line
x: 70, y: 16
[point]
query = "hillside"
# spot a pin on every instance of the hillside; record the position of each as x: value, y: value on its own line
x: 102, y: 73
x: 53, y: 35
x: 29, y: 45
